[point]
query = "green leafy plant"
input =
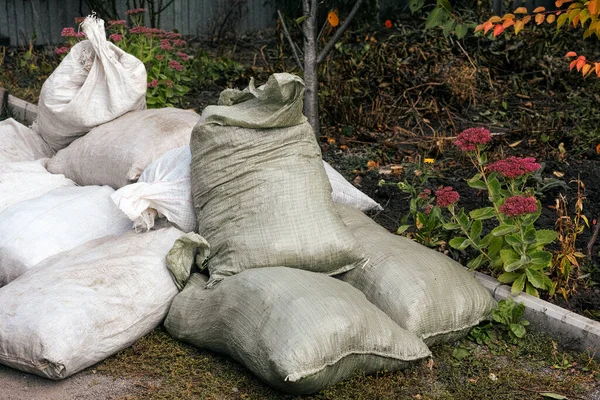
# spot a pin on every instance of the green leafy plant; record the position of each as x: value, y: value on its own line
x: 443, y: 16
x: 160, y: 51
x: 482, y: 334
x: 510, y: 317
x: 513, y: 244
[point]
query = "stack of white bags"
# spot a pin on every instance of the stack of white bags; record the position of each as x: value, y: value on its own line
x: 97, y: 196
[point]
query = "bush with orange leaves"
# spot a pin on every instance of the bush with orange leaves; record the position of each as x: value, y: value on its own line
x: 583, y: 14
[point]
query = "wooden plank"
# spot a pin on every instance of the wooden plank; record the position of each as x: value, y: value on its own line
x: 38, y: 10
x: 4, y: 32
x: 22, y: 110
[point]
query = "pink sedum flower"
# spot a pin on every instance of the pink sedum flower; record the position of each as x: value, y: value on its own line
x: 165, y: 45
x: 446, y: 196
x: 115, y: 37
x: 135, y: 11
x: 183, y: 56
x: 179, y: 42
x: 514, y: 167
x: 168, y: 83
x: 159, y: 57
x: 175, y: 65
x: 428, y: 209
x: 62, y: 50
x: 469, y: 139
x: 68, y: 32
x: 519, y: 205
x: 117, y: 22
x: 153, y: 83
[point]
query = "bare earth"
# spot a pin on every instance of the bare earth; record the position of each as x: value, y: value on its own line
x: 17, y: 385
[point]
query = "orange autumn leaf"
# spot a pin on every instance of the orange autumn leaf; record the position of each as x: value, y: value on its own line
x: 551, y: 18
x: 508, y: 23
x: 586, y: 68
x: 539, y: 18
x: 572, y: 65
x: 479, y: 28
x: 576, y: 20
x: 597, y: 151
x: 372, y: 164
x: 593, y: 7
x: 580, y: 62
x: 571, y: 54
x: 559, y: 3
x: 487, y: 26
x: 498, y: 30
x: 526, y: 19
x: 330, y: 140
x: 597, y: 68
x: 495, y: 19
x: 539, y: 9
x: 519, y: 26
x: 333, y: 18
x: 508, y: 16
x: 521, y: 10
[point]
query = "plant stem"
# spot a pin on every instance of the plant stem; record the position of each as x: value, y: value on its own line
x: 466, y: 233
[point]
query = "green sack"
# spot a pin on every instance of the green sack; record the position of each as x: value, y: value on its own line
x: 296, y: 330
x: 262, y: 196
x: 423, y: 290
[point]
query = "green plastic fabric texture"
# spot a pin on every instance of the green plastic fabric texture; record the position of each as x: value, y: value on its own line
x: 296, y: 330
x: 421, y: 289
x: 262, y: 196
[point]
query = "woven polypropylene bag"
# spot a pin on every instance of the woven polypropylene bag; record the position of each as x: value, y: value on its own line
x: 296, y: 330
x: 163, y: 190
x: 116, y: 153
x: 57, y: 221
x: 79, y: 307
x: 421, y: 289
x: 262, y: 196
x: 22, y: 181
x: 18, y: 143
x: 95, y: 83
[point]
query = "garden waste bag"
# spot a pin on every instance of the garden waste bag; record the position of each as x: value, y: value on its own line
x: 164, y: 190
x: 22, y: 181
x: 81, y: 306
x: 94, y: 84
x: 260, y: 191
x: 298, y: 331
x: 116, y: 153
x: 421, y: 289
x: 19, y: 143
x: 57, y: 221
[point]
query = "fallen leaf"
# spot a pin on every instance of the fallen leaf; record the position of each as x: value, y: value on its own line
x: 472, y: 380
x: 598, y: 148
x: 551, y: 395
x: 515, y: 144
x: 333, y: 18
x: 558, y: 174
x: 528, y: 104
x: 430, y: 363
x: 330, y: 140
x: 372, y: 164
x: 343, y: 147
x: 493, y: 377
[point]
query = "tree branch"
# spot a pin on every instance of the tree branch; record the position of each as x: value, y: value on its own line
x: 329, y: 46
x: 289, y: 38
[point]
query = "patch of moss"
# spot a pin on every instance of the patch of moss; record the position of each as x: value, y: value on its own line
x: 168, y: 369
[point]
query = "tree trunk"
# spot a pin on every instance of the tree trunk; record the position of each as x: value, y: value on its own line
x: 311, y: 79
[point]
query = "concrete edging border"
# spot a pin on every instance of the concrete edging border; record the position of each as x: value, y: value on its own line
x: 570, y: 329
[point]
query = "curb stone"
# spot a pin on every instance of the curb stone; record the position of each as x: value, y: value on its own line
x: 570, y: 329
x: 22, y: 110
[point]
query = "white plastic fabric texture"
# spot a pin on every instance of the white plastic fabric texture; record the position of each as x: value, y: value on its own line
x: 22, y: 181
x: 296, y: 330
x: 81, y: 306
x: 343, y: 192
x: 164, y: 187
x: 116, y: 153
x: 60, y: 220
x: 94, y: 84
x: 19, y: 143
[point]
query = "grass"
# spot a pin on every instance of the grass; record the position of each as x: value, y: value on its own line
x: 167, y: 369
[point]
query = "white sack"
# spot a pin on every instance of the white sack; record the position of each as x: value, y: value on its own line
x: 343, y: 192
x: 116, y: 153
x: 19, y: 143
x: 58, y: 221
x: 164, y: 190
x: 79, y: 307
x: 22, y: 181
x: 95, y: 83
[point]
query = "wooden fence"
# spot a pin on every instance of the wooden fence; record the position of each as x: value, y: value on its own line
x: 43, y: 20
